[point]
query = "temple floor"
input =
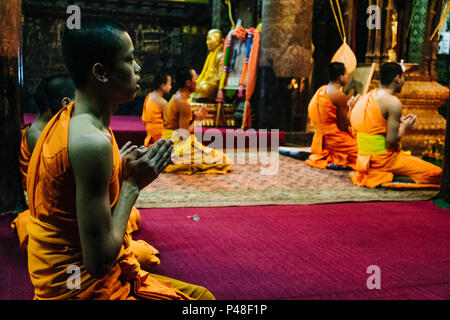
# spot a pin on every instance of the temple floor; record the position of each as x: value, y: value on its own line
x: 292, y: 182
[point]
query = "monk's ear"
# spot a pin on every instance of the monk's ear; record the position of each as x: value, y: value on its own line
x: 99, y: 72
x: 65, y: 101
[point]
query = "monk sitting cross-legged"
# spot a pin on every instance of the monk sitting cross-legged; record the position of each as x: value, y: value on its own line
x: 333, y: 145
x: 81, y: 192
x: 379, y: 125
x: 190, y: 155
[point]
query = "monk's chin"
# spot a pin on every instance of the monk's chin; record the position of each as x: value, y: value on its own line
x: 129, y: 98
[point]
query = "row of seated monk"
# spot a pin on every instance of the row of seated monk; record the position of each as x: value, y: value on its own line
x: 364, y: 133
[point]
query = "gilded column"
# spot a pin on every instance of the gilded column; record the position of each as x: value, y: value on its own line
x: 378, y: 38
x: 370, y: 40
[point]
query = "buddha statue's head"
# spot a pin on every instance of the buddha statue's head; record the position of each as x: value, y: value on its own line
x: 214, y: 39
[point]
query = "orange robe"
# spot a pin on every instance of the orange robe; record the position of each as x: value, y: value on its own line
x: 54, y: 242
x: 19, y: 225
x: 330, y: 145
x: 153, y: 120
x: 379, y: 169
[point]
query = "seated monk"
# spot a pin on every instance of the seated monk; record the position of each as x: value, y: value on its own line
x: 379, y: 126
x: 81, y: 192
x: 152, y: 112
x: 333, y: 143
x: 190, y: 156
x: 52, y: 94
x: 208, y: 81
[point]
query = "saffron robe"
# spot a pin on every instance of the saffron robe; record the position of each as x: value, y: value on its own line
x: 153, y: 120
x: 330, y: 145
x: 54, y: 240
x: 191, y: 156
x: 147, y: 253
x: 378, y: 167
x: 19, y: 224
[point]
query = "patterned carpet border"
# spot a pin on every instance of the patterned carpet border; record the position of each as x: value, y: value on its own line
x: 295, y: 183
x: 176, y: 199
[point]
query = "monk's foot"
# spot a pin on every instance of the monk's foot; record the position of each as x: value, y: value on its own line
x: 403, y: 179
x: 333, y: 166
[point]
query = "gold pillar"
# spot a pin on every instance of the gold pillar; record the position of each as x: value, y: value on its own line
x: 378, y: 39
x: 370, y: 41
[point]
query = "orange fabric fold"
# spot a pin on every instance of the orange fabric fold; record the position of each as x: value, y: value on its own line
x: 379, y: 170
x: 24, y: 156
x: 19, y: 224
x: 330, y: 144
x: 54, y: 243
x: 152, y: 118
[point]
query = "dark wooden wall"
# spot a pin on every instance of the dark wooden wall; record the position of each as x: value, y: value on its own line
x: 165, y: 35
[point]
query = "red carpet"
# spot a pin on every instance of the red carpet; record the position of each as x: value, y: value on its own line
x: 131, y: 128
x: 288, y: 252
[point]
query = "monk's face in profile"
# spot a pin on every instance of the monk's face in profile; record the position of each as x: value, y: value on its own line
x: 399, y: 82
x: 192, y: 84
x: 343, y: 80
x: 123, y: 73
x: 166, y: 87
x: 213, y: 40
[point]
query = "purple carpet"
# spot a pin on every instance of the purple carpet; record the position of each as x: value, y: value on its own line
x: 288, y: 252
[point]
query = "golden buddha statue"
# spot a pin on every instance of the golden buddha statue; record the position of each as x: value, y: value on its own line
x: 394, y: 25
x: 208, y: 81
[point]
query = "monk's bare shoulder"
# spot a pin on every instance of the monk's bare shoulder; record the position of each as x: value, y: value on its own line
x: 32, y: 136
x: 182, y: 106
x: 390, y: 104
x: 161, y: 102
x: 337, y: 97
x: 89, y: 149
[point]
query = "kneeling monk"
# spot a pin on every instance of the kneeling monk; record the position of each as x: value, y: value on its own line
x: 52, y: 94
x: 379, y: 126
x: 81, y: 192
x: 333, y: 143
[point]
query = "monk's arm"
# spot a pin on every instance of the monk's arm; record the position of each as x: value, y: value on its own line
x: 395, y: 130
x: 185, y: 116
x: 343, y: 121
x: 101, y: 229
x: 161, y: 103
x: 32, y: 137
